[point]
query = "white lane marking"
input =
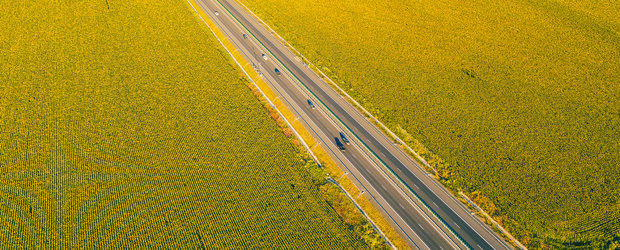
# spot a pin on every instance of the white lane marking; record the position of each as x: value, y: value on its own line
x: 399, y: 189
x: 329, y: 119
x: 415, y: 165
x: 379, y: 197
x: 450, y: 196
x: 381, y: 171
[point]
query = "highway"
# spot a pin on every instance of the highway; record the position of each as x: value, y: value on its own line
x: 427, y: 215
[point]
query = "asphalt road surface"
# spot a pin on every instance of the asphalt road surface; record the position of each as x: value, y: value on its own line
x: 427, y: 215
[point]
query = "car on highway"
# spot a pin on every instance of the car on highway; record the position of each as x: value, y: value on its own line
x: 217, y: 13
x: 278, y: 71
x: 339, y: 144
x: 311, y: 104
x: 265, y: 57
x: 245, y: 36
x: 344, y: 138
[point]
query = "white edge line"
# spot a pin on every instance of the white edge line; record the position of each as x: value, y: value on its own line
x: 247, y: 75
x: 398, y: 139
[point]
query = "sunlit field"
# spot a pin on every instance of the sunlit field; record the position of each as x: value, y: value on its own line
x: 123, y: 124
x: 516, y: 103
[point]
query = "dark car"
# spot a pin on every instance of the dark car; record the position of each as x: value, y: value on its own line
x: 339, y: 144
x: 311, y: 104
x: 245, y: 36
x: 278, y: 71
x: 344, y: 138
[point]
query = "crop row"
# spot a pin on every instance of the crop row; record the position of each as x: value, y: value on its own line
x: 124, y: 125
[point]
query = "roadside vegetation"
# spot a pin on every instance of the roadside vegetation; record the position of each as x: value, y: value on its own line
x: 514, y: 103
x: 124, y: 124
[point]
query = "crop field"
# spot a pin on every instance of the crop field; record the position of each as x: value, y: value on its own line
x: 516, y: 103
x: 123, y: 124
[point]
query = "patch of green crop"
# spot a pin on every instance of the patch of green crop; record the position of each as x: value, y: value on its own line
x: 520, y: 99
x: 124, y: 125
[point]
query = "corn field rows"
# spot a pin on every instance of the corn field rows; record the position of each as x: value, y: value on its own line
x: 518, y: 101
x: 123, y: 124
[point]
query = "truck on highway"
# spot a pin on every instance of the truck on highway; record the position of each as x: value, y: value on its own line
x: 339, y: 144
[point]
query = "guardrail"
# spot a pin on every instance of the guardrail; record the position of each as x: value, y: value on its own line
x: 349, y: 130
x: 395, y: 137
x: 301, y: 139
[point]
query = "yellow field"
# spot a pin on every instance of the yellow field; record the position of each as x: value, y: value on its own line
x: 516, y: 103
x: 123, y: 124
